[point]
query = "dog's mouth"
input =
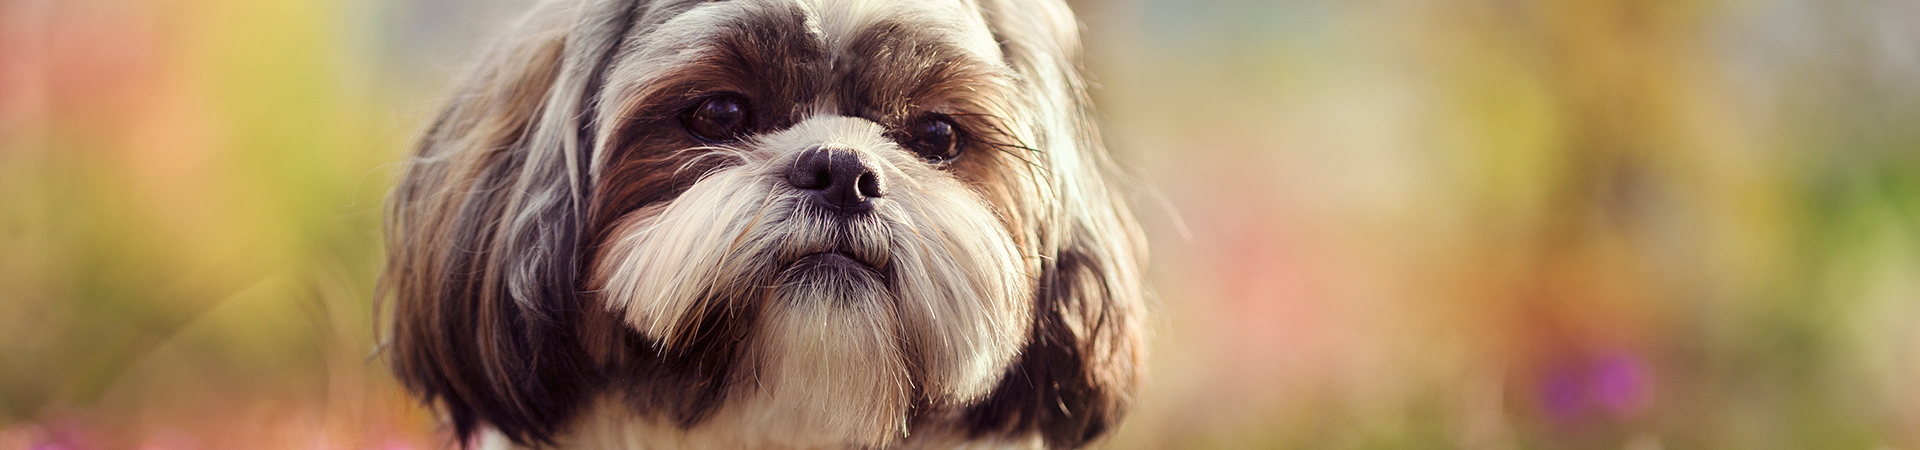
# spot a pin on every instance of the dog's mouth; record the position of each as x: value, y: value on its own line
x: 836, y: 259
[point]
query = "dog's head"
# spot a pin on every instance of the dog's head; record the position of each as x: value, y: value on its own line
x: 827, y: 222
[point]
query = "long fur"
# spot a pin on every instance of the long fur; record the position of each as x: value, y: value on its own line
x: 567, y: 268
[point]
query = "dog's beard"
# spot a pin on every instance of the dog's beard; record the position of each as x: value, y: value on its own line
x: 854, y: 320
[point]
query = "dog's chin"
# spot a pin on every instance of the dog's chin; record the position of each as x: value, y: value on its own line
x: 828, y: 365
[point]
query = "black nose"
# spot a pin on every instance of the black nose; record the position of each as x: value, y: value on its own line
x: 839, y: 178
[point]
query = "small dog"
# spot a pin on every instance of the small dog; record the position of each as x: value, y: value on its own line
x: 769, y: 224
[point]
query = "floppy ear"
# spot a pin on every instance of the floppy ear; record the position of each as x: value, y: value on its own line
x: 1079, y: 373
x: 484, y: 232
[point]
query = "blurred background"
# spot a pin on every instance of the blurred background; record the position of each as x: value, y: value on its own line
x: 1474, y: 224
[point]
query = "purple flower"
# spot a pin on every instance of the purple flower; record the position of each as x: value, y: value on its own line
x: 1621, y: 383
x: 1617, y: 383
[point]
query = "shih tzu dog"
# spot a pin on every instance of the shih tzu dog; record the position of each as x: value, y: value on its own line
x: 769, y: 224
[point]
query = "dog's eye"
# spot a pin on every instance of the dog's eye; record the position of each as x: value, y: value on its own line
x: 934, y: 138
x: 720, y: 118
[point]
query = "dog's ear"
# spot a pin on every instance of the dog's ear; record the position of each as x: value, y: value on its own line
x: 1082, y: 368
x: 484, y: 232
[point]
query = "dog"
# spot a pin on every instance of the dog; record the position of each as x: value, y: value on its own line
x: 769, y: 224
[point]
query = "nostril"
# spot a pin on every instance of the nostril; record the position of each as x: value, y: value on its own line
x: 870, y: 185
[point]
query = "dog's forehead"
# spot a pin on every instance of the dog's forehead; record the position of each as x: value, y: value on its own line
x: 837, y: 24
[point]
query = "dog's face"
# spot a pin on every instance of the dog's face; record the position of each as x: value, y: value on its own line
x: 804, y: 222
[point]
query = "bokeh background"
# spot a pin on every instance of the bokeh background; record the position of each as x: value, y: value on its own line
x: 1474, y: 224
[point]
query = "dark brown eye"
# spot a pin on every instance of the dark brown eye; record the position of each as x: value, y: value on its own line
x: 720, y: 118
x: 935, y: 138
